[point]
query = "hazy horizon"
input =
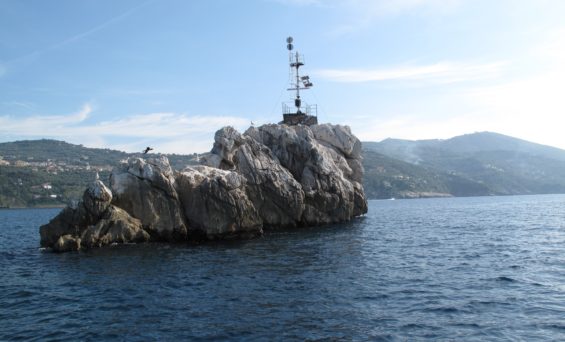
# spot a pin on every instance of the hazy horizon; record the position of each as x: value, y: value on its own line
x: 168, y: 74
x: 211, y: 142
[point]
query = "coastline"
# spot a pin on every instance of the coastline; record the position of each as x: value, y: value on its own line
x: 55, y: 206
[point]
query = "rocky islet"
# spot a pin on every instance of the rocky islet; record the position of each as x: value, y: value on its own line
x: 269, y: 177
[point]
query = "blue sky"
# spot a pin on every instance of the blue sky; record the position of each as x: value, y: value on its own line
x: 168, y: 74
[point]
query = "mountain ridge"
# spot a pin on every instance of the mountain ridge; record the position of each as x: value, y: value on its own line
x: 47, y: 172
x: 472, y: 142
x: 475, y: 164
x: 501, y: 164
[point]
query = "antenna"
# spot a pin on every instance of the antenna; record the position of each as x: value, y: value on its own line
x: 289, y: 45
x: 302, y: 114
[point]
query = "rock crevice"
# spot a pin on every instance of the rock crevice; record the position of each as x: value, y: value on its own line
x: 270, y: 176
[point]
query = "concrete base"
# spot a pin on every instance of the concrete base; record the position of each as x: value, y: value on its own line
x: 302, y: 119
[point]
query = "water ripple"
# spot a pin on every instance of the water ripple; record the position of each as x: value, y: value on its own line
x: 439, y: 269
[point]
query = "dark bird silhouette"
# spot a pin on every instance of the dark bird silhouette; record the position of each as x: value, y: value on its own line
x: 147, y: 149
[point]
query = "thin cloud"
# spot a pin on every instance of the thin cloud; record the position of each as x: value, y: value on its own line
x: 377, y: 8
x: 298, y: 2
x: 414, y: 127
x: 530, y: 106
x: 164, y: 125
x: 436, y: 73
x: 18, y: 104
x: 79, y: 36
x: 359, y: 15
x: 37, y: 125
x: 172, y: 132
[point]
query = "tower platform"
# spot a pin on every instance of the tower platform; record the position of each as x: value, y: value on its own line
x: 300, y: 119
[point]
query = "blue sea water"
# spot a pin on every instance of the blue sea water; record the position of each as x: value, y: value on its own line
x: 459, y: 269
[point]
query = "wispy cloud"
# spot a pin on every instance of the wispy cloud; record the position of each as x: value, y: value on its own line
x: 360, y: 14
x: 19, y: 104
x: 164, y: 125
x: 171, y: 132
x: 376, y: 7
x: 78, y: 36
x: 38, y: 125
x: 415, y: 127
x: 529, y: 106
x: 298, y: 2
x: 443, y: 72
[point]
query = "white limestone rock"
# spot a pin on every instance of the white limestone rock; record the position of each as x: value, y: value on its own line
x: 146, y: 190
x: 271, y: 176
x: 216, y: 205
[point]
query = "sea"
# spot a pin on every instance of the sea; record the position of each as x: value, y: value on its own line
x: 448, y: 269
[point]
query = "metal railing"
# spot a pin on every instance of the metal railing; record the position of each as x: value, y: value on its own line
x: 294, y: 58
x: 290, y: 108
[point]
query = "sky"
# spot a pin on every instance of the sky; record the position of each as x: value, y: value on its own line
x: 126, y: 74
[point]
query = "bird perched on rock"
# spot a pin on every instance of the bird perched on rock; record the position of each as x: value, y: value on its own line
x: 147, y: 149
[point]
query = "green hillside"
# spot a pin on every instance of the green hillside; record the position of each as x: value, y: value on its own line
x: 386, y: 177
x: 496, y: 164
x: 60, y: 151
x: 44, y: 150
x: 55, y: 173
x: 25, y: 187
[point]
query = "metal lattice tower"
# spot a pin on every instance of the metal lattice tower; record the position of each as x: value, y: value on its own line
x: 302, y: 113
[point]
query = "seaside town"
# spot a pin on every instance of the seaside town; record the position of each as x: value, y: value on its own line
x: 49, y: 182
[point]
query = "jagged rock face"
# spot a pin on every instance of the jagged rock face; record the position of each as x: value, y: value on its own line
x: 93, y: 223
x: 96, y: 198
x: 272, y: 188
x: 70, y: 221
x: 270, y: 176
x: 346, y: 148
x: 74, y: 221
x: 326, y: 160
x: 115, y: 226
x: 216, y: 204
x: 66, y: 243
x: 146, y: 190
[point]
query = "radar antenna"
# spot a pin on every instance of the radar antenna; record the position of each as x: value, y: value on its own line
x: 304, y: 113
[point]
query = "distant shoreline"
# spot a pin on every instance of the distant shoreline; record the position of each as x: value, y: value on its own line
x: 60, y: 206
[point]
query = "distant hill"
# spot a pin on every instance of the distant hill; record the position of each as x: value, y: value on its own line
x: 387, y: 177
x: 54, y: 173
x: 488, y: 163
x: 414, y: 150
x: 47, y: 149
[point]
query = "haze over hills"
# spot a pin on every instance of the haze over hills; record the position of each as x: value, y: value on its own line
x: 477, y: 164
x: 50, y: 172
x: 387, y: 177
x: 416, y: 150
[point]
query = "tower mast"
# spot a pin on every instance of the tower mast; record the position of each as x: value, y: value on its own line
x: 304, y: 114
